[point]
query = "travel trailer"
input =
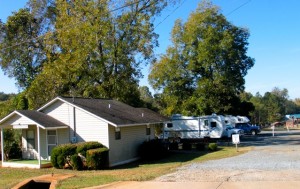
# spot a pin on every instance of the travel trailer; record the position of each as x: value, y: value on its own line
x: 232, y: 120
x: 190, y: 127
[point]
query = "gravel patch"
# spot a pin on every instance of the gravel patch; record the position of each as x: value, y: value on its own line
x: 264, y: 163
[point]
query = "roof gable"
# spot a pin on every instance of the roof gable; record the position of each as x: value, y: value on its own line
x: 39, y: 118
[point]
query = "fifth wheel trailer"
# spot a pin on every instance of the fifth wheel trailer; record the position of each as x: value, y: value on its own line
x: 190, y: 127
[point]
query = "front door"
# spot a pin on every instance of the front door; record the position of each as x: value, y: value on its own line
x: 52, y: 140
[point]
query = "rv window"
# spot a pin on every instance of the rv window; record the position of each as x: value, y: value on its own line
x: 226, y: 121
x: 206, y: 122
x: 213, y: 124
x: 169, y: 125
x: 239, y: 119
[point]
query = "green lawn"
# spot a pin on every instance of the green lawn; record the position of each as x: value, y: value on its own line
x: 138, y: 171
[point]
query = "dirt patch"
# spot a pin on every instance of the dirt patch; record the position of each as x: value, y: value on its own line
x: 51, y: 178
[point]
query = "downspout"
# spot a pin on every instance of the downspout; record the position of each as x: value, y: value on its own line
x: 74, y: 122
x: 39, y: 146
x: 2, y: 145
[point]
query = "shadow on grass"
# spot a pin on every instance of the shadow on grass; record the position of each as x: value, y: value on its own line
x: 176, y: 156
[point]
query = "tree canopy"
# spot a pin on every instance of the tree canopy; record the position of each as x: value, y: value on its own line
x: 272, y: 106
x: 203, y: 71
x: 81, y: 48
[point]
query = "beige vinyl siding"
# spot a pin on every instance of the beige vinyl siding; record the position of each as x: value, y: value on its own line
x: 90, y: 128
x: 17, y: 119
x: 126, y: 149
x: 60, y: 111
x: 63, y: 136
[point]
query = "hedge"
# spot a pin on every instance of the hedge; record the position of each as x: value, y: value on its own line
x: 83, y: 147
x: 97, y: 158
x: 212, y: 146
x: 74, y: 156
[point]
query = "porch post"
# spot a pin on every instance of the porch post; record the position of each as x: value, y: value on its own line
x: 39, y: 145
x: 2, y: 145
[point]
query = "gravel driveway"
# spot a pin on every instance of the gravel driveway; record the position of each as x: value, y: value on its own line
x: 273, y: 159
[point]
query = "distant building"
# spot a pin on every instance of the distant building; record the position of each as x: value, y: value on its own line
x: 292, y: 120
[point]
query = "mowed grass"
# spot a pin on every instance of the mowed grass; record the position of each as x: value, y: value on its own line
x: 137, y: 171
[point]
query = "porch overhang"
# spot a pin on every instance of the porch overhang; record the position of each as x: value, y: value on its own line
x: 22, y: 119
x: 31, y: 117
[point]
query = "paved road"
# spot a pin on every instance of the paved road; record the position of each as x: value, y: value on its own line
x: 273, y: 163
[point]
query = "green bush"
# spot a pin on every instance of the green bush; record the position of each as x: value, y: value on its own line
x: 83, y: 147
x: 15, y: 151
x: 54, y: 156
x: 67, y: 155
x: 97, y: 158
x: 212, y: 146
x: 76, y: 162
x: 61, y: 161
x: 153, y: 149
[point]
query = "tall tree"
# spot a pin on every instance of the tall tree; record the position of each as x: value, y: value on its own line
x: 203, y: 71
x: 21, y: 51
x: 97, y: 51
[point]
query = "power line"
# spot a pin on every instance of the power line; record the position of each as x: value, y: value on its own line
x: 238, y: 8
x: 170, y: 14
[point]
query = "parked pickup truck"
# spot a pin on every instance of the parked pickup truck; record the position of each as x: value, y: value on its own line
x: 231, y: 131
x: 248, y: 128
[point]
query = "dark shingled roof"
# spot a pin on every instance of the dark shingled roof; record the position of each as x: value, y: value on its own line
x: 116, y: 112
x: 41, y: 118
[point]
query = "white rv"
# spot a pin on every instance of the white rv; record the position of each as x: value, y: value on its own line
x: 232, y: 120
x: 189, y: 127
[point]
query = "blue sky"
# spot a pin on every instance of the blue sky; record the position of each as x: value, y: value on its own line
x: 274, y: 40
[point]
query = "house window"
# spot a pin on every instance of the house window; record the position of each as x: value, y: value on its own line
x: 117, y: 134
x: 52, y: 140
x: 30, y: 139
x: 148, y: 131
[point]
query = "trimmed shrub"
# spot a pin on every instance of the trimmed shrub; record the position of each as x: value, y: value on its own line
x: 97, y: 158
x: 72, y: 155
x: 68, y: 149
x: 76, y: 162
x: 83, y: 147
x: 61, y: 161
x: 212, y: 146
x: 153, y: 149
x: 54, y: 156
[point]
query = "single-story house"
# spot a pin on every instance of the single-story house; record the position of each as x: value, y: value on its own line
x: 118, y: 126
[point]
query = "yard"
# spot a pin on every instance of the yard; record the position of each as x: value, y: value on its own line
x: 138, y: 171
